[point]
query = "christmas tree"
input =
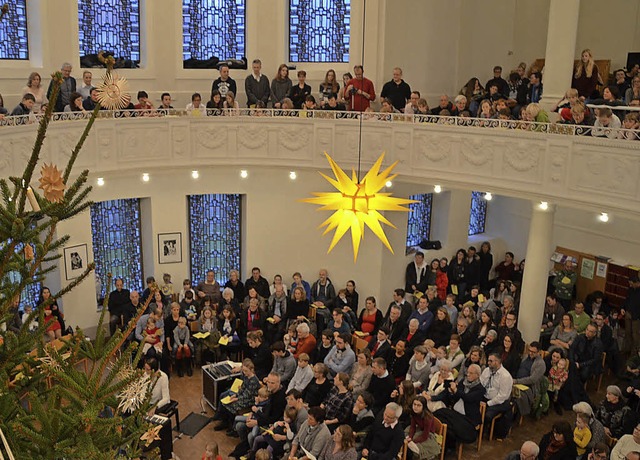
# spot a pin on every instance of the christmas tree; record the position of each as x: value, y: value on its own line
x: 71, y: 398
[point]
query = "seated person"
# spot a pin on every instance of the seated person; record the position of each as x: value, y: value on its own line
x: 381, y: 347
x: 25, y: 105
x: 586, y: 353
x: 338, y: 403
x: 196, y: 108
x: 498, y: 384
x: 313, y: 435
x: 160, y: 382
x: 333, y: 104
x: 338, y: 325
x: 580, y: 318
x: 144, y: 104
x: 631, y: 121
x: 530, y: 373
x: 606, y: 124
x: 341, y: 357
x: 385, y: 436
x: 394, y: 323
x: 564, y: 335
x: 617, y: 418
x: 238, y: 401
x: 414, y: 336
x: 182, y: 347
x: 627, y: 446
x: 382, y: 384
x: 558, y: 443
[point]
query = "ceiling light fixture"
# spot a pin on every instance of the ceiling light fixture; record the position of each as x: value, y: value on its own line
x: 488, y: 196
x: 195, y: 174
x: 543, y: 205
x: 292, y: 175
x: 100, y: 181
x: 244, y: 174
x: 145, y: 177
x: 437, y: 188
x: 604, y: 217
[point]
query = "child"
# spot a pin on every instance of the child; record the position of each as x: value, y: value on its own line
x: 261, y: 400
x: 186, y: 286
x: 290, y: 339
x: 283, y: 433
x: 431, y: 354
x: 196, y: 108
x: 606, y: 124
x: 558, y: 375
x: 263, y: 454
x: 303, y: 374
x: 154, y: 332
x: 34, y: 324
x: 630, y: 122
x: 423, y: 107
x: 208, y: 346
x: 167, y: 287
x: 211, y: 452
x: 581, y: 434
x: 182, y: 347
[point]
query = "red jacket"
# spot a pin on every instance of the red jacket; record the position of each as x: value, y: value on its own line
x: 442, y: 281
x: 360, y: 103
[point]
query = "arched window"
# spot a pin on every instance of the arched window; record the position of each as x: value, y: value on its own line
x: 14, y: 43
x: 478, y: 214
x: 117, y: 243
x: 213, y: 28
x: 419, y: 223
x: 110, y: 25
x: 319, y: 30
x: 215, y: 235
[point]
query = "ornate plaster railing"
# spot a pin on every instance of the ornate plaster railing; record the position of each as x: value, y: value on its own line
x: 538, y: 161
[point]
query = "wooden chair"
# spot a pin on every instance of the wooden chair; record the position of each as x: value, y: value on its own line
x: 312, y: 313
x: 479, y: 429
x: 493, y: 422
x: 359, y: 344
x: 604, y: 357
x: 441, y: 429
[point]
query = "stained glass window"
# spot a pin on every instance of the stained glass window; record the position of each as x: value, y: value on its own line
x: 117, y: 242
x: 478, y: 215
x: 14, y: 43
x: 215, y: 233
x: 110, y: 25
x: 31, y: 292
x: 419, y: 223
x: 319, y: 30
x: 213, y: 28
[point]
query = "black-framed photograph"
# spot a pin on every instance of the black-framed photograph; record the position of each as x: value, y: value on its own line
x: 170, y: 248
x: 76, y: 259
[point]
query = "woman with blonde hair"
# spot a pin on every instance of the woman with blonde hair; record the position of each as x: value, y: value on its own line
x: 34, y: 86
x: 329, y: 86
x: 586, y: 77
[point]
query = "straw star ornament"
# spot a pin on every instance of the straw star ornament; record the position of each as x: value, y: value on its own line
x: 358, y: 203
x: 51, y: 183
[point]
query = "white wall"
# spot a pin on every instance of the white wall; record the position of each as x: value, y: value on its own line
x: 509, y: 219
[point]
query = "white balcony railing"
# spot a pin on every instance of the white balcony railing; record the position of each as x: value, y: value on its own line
x: 557, y: 163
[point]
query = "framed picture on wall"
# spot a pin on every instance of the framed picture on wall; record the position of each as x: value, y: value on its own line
x: 170, y: 248
x: 75, y: 261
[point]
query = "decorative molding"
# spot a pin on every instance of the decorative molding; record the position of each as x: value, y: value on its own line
x: 576, y: 171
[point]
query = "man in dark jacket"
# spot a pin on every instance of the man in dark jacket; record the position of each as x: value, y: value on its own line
x: 397, y: 90
x: 586, y: 352
x: 466, y: 396
x: 25, y: 106
x: 260, y: 284
x: 119, y: 299
x: 631, y: 312
x: 416, y: 275
x: 381, y: 386
x: 67, y: 87
x: 385, y: 438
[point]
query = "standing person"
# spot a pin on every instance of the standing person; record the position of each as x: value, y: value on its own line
x: 329, y: 86
x: 256, y: 86
x: 34, y: 86
x: 631, y: 313
x: 85, y: 89
x: 415, y: 276
x: 209, y: 287
x: 67, y: 87
x: 397, y: 90
x: 260, y: 284
x: 360, y: 92
x: 457, y: 274
x: 586, y: 76
x: 501, y: 83
x: 224, y: 83
x: 564, y: 282
x: 118, y: 300
x: 299, y: 92
x: 280, y: 86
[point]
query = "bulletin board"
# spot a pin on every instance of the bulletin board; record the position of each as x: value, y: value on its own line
x: 586, y: 268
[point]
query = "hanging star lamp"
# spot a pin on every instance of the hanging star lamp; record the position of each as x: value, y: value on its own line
x: 358, y: 203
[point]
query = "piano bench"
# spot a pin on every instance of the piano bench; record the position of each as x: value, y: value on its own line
x: 169, y: 410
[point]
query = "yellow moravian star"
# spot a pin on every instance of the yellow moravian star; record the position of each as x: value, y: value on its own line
x: 358, y: 203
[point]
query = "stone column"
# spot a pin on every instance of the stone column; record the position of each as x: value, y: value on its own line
x: 534, y: 283
x: 561, y: 44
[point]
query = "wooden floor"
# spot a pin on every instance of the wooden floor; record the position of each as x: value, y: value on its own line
x: 188, y: 392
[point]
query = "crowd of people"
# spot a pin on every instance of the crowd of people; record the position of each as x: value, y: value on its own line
x: 508, y: 103
x: 326, y: 375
